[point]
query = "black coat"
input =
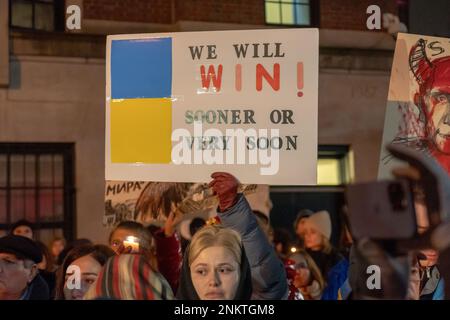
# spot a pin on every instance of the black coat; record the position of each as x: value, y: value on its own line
x: 37, y: 290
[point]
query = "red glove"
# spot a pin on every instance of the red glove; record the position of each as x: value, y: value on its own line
x: 225, y: 186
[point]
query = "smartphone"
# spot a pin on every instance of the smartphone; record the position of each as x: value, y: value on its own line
x: 381, y: 210
x: 131, y: 242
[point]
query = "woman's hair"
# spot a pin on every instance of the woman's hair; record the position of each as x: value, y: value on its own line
x: 210, y: 236
x: 99, y: 252
x: 315, y: 271
x: 302, y: 214
x: 327, y: 247
x: 129, y: 277
x: 48, y: 257
x: 75, y: 243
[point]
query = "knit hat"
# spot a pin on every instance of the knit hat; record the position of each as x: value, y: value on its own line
x: 321, y: 222
x: 129, y: 277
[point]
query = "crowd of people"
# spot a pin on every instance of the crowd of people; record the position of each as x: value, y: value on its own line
x: 235, y: 256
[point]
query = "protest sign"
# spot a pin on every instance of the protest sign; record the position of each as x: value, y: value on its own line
x: 180, y: 106
x: 418, y: 107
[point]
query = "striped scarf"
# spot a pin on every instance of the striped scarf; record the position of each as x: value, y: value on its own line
x: 129, y: 277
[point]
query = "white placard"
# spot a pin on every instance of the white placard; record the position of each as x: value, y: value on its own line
x: 264, y: 82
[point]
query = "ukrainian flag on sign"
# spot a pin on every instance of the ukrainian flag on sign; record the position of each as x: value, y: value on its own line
x: 141, y: 105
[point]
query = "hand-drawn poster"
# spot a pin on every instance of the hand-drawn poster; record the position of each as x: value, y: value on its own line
x: 151, y: 202
x: 418, y: 108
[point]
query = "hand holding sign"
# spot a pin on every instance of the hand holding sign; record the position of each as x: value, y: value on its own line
x: 174, y: 218
x: 225, y: 186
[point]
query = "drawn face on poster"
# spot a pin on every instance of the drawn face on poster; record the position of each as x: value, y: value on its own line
x: 420, y: 90
x: 433, y: 98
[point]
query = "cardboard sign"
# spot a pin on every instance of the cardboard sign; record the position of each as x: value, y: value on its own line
x: 418, y: 108
x: 180, y: 106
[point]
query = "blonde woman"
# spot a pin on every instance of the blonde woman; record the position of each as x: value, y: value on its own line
x: 234, y: 212
x: 215, y: 267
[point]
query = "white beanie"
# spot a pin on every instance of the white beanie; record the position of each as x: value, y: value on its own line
x: 321, y: 222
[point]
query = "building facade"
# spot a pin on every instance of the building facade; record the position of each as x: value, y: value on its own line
x: 52, y: 90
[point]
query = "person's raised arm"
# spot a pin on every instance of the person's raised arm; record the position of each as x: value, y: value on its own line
x: 268, y: 274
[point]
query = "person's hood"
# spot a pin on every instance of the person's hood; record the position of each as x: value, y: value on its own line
x: 129, y: 277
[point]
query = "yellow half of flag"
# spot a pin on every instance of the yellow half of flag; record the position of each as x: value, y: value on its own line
x: 141, y: 130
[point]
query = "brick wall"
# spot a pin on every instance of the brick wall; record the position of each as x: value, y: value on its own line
x: 350, y: 14
x: 160, y: 11
x: 334, y: 14
x: 152, y: 11
x: 231, y: 11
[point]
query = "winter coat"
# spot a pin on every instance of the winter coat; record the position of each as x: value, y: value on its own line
x: 168, y: 255
x: 50, y: 279
x: 336, y: 278
x: 430, y: 287
x: 36, y: 290
x: 334, y: 268
x: 267, y: 270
